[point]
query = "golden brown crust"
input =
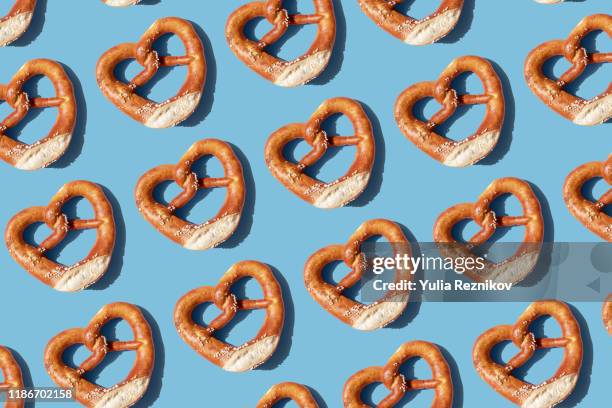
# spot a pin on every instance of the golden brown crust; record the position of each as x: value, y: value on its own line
x: 11, y: 375
x: 298, y: 393
x: 17, y: 21
x: 606, y: 314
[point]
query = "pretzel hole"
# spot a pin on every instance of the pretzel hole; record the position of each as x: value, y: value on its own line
x: 417, y: 9
x: 594, y: 189
x: 335, y: 271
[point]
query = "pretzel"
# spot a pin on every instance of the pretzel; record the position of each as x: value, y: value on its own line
x: 499, y: 376
x: 124, y: 96
x: 449, y: 152
x: 298, y: 393
x: 358, y: 315
x: 280, y: 72
x: 50, y: 148
x: 518, y: 266
x: 163, y: 218
x: 17, y: 21
x: 590, y: 214
x: 397, y: 384
x: 410, y: 30
x: 202, y: 339
x: 549, y: 1
x: 341, y: 191
x: 580, y: 111
x: 120, y: 3
x: 12, y: 378
x: 133, y: 387
x: 32, y: 258
x: 607, y: 314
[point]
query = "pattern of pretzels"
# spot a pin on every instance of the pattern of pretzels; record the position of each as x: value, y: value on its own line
x: 124, y: 96
x: 280, y: 72
x: 32, y: 258
x: 590, y: 214
x: 580, y: 111
x: 12, y: 378
x: 410, y: 30
x: 202, y: 339
x: 397, y: 384
x: 50, y: 148
x: 17, y: 21
x: 499, y: 376
x: 123, y: 394
x: 298, y: 393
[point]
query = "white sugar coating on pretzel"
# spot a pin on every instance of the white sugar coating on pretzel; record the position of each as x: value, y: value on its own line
x: 171, y: 113
x: 470, y: 151
x: 596, y: 111
x: 251, y: 354
x: 82, y: 275
x: 13, y: 27
x: 120, y: 3
x: 124, y: 395
x: 338, y: 194
x: 550, y: 394
x: 212, y: 233
x: 303, y: 70
x: 43, y: 153
x: 429, y: 30
x: 378, y: 315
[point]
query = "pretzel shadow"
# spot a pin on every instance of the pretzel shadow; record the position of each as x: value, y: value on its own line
x: 26, y: 375
x: 337, y: 57
x: 318, y: 398
x: 148, y: 2
x: 36, y: 25
x: 463, y: 25
x: 157, y: 377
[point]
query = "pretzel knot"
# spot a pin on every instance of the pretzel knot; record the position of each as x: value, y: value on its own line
x: 580, y: 111
x: 397, y: 384
x: 499, y: 376
x: 17, y: 21
x: 607, y: 314
x: 123, y: 394
x: 523, y: 261
x: 32, y: 258
x: 410, y: 30
x: 202, y: 338
x: 253, y: 53
x: 298, y: 393
x: 12, y: 377
x: 590, y: 214
x: 163, y: 218
x: 124, y: 96
x: 449, y: 152
x: 331, y: 297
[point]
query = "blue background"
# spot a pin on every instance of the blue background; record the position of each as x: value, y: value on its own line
x: 278, y: 228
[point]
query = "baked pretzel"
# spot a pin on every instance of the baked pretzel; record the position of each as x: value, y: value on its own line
x: 202, y: 339
x: 280, y: 72
x: 590, y: 214
x: 518, y: 266
x: 449, y: 152
x: 607, y: 314
x: 410, y: 30
x: 124, y: 96
x: 549, y: 1
x: 17, y: 21
x: 499, y: 376
x: 298, y: 393
x: 397, y: 384
x: 163, y: 218
x: 341, y: 191
x: 32, y: 258
x: 12, y: 378
x: 50, y: 148
x: 120, y: 3
x: 133, y: 387
x: 582, y: 112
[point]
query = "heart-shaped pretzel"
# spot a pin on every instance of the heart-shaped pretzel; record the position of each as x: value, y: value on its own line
x: 120, y: 3
x: 298, y: 393
x: 17, y: 21
x: 590, y: 214
x: 202, y: 339
x: 341, y: 191
x: 449, y: 152
x: 397, y: 384
x: 253, y: 53
x: 11, y: 373
x: 410, y: 30
x: 499, y: 376
x: 124, y: 96
x: 133, y: 387
x: 518, y: 266
x: 580, y: 111
x: 606, y: 314
x: 32, y: 258
x: 358, y: 315
x: 162, y: 217
x: 50, y: 148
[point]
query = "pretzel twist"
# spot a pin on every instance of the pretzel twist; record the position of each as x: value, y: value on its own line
x: 202, y: 339
x: 32, y: 258
x: 499, y: 376
x: 12, y: 377
x: 50, y: 148
x: 120, y: 3
x: 128, y: 391
x: 17, y: 21
x: 292, y: 175
x: 518, y: 266
x: 607, y: 314
x: 449, y: 152
x: 580, y: 111
x: 298, y: 393
x: 280, y: 72
x: 410, y: 30
x: 124, y: 96
x: 397, y: 384
x: 590, y: 214
x: 163, y: 218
